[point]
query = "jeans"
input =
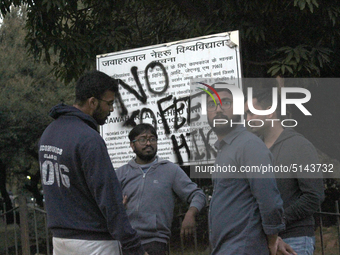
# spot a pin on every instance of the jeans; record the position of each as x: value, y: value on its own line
x: 302, y: 245
x: 155, y: 248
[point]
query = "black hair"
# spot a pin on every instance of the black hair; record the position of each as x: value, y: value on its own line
x: 219, y: 89
x: 142, y: 128
x: 264, y: 98
x: 94, y: 84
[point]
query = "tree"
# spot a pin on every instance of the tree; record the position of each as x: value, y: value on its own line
x: 27, y: 91
x: 297, y: 38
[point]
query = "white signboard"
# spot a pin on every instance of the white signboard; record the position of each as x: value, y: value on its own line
x: 155, y: 89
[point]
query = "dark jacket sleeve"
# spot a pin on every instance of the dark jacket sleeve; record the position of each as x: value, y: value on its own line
x: 105, y: 188
x: 312, y: 189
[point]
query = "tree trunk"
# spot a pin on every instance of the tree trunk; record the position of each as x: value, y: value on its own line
x: 4, y: 193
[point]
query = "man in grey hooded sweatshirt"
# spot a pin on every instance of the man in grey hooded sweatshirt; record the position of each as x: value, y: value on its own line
x: 149, y: 186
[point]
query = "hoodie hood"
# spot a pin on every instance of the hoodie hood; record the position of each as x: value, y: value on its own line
x: 286, y: 134
x: 279, y: 147
x: 160, y: 161
x: 66, y: 110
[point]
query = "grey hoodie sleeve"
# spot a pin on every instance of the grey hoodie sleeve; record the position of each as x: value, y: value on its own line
x: 187, y: 190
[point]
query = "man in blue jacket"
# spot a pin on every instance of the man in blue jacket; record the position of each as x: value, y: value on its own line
x: 149, y: 186
x: 246, y: 212
x: 83, y: 197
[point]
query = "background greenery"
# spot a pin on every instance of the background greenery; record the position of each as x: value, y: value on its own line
x: 45, y: 45
x: 28, y: 89
x: 297, y: 38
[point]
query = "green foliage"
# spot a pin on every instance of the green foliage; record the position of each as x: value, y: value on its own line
x: 292, y: 38
x: 28, y: 90
x: 295, y: 61
x: 302, y: 4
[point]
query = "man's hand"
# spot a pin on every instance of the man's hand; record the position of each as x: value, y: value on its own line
x: 125, y: 199
x: 273, y: 243
x: 284, y: 248
x: 189, y: 222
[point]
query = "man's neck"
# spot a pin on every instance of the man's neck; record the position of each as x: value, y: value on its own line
x: 140, y: 161
x: 221, y: 135
x: 82, y: 108
x: 272, y: 134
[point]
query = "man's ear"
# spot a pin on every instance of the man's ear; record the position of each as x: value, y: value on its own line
x: 270, y: 116
x: 89, y: 106
x: 92, y: 103
x: 132, y: 145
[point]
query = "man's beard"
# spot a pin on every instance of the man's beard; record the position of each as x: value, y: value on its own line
x: 222, y: 129
x: 146, y: 157
x: 98, y: 115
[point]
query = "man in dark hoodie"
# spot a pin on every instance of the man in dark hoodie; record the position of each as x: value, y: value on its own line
x: 301, y: 195
x: 150, y: 185
x: 83, y: 197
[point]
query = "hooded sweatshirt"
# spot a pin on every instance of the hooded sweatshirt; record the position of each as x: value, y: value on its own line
x: 151, y: 197
x: 303, y: 192
x: 82, y: 193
